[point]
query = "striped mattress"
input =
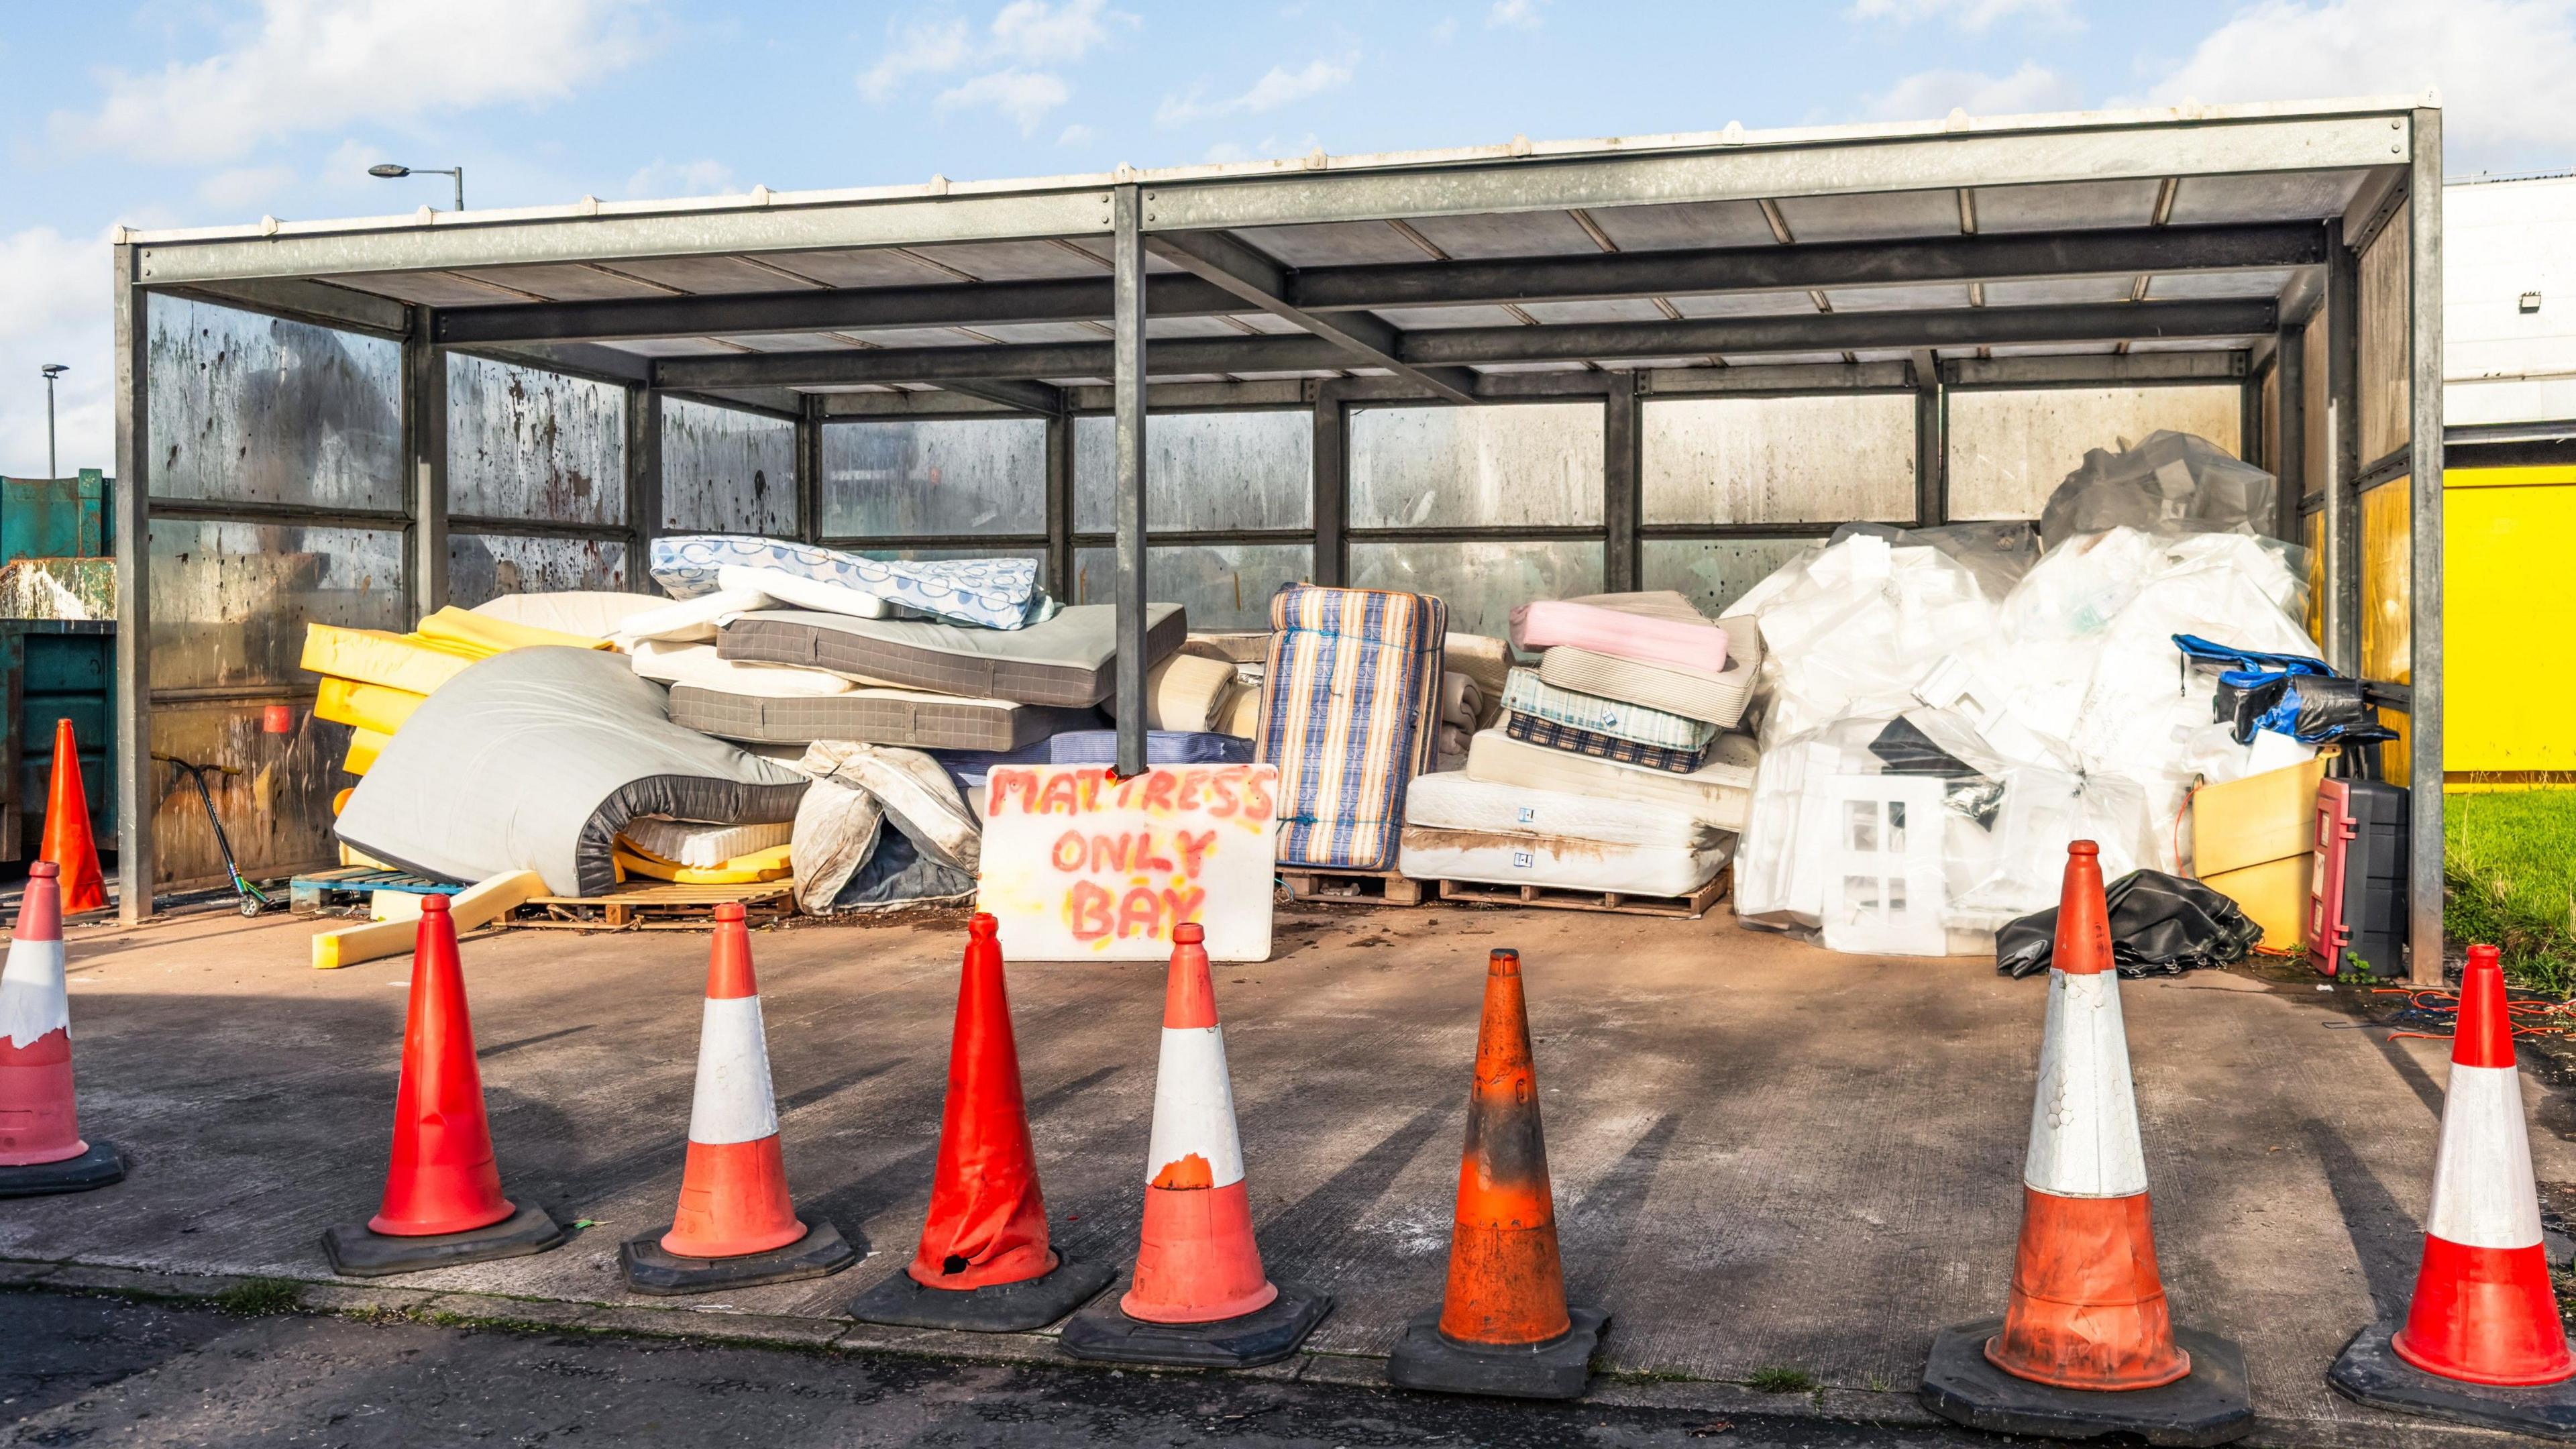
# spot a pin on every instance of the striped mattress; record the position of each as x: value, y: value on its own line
x: 1350, y: 707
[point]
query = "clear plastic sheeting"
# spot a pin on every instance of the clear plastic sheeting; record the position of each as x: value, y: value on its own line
x: 2171, y: 482
x: 1853, y: 628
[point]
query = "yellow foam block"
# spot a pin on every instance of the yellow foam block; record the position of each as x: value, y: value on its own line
x: 2274, y: 895
x: 468, y: 630
x: 479, y: 904
x: 351, y: 855
x: 368, y: 706
x: 2260, y: 818
x: 760, y: 865
x: 364, y: 746
x: 396, y: 661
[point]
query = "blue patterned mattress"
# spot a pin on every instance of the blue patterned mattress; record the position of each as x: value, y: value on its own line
x: 998, y: 593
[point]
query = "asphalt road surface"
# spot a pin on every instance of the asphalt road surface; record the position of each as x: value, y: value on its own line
x: 107, y: 1371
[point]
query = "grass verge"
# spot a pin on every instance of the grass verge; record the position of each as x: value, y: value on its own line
x: 2509, y: 872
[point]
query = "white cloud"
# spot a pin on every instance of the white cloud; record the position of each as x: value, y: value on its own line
x: 1024, y: 96
x: 1035, y: 33
x: 53, y: 308
x: 1514, y: 14
x: 923, y: 49
x: 1446, y: 30
x: 1931, y: 94
x: 1076, y: 134
x: 1967, y: 14
x: 685, y: 178
x: 314, y: 64
x: 243, y: 188
x: 2502, y: 66
x: 1278, y: 87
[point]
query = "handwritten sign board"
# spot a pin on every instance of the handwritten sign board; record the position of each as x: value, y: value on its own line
x: 1081, y: 866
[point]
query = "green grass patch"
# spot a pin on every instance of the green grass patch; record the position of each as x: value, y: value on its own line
x: 261, y: 1296
x: 2509, y: 868
x: 1782, y: 1381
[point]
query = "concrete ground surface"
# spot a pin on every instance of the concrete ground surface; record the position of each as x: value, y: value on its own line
x: 1766, y: 1157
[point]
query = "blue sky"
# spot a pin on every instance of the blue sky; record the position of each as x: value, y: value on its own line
x: 190, y: 112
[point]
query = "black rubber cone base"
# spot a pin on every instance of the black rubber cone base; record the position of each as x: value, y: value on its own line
x: 1426, y: 1358
x: 1265, y: 1335
x: 2207, y: 1406
x: 2370, y: 1372
x: 652, y: 1268
x: 357, y: 1252
x: 1020, y: 1307
x: 99, y: 1166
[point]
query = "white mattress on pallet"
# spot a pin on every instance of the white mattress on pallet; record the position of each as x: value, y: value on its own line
x: 1517, y: 859
x: 1719, y: 792
x: 1451, y: 801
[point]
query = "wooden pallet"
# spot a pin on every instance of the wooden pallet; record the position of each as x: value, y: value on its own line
x: 1553, y: 898
x: 1353, y: 887
x: 311, y: 894
x: 658, y: 906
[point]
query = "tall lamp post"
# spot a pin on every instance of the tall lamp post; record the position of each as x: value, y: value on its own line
x: 51, y: 370
x: 390, y: 172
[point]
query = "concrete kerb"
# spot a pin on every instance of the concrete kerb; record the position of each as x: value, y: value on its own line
x: 712, y: 1324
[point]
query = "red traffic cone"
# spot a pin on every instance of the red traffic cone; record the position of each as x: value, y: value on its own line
x: 68, y: 843
x: 984, y: 1263
x: 1503, y: 1327
x: 735, y: 1225
x: 2482, y: 1341
x: 1199, y: 1298
x: 41, y: 1150
x: 2085, y: 1345
x: 443, y: 1202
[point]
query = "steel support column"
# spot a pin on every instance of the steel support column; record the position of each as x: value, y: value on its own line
x: 135, y: 795
x: 1059, y: 507
x: 424, y: 415
x: 2424, y: 577
x: 1622, y: 486
x: 643, y: 483
x: 1332, y: 482
x: 2338, y: 532
x: 2290, y: 426
x: 809, y: 470
x: 1127, y: 375
x: 1931, y: 444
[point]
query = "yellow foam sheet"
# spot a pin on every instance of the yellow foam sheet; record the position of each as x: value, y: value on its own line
x: 466, y: 629
x: 367, y: 706
x: 2274, y: 895
x: 479, y: 904
x: 760, y: 865
x: 2260, y: 818
x: 364, y: 746
x: 2387, y: 606
x: 406, y: 662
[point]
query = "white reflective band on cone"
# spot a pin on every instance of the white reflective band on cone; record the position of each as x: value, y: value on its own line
x: 2084, y: 1121
x: 2483, y: 1195
x: 733, y: 1102
x: 1194, y: 1106
x: 32, y: 1003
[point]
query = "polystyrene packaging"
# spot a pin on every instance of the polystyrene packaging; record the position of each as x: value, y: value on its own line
x: 1854, y: 628
x: 2168, y: 479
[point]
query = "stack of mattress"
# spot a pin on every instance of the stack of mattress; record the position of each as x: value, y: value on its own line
x: 1458, y: 827
x: 1350, y: 710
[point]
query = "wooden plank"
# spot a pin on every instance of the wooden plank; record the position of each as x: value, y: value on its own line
x: 477, y: 905
x: 1353, y: 887
x: 1552, y: 898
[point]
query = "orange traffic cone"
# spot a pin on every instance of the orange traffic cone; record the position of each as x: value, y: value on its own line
x: 2482, y: 1341
x: 67, y: 837
x: 1503, y: 1327
x: 443, y: 1202
x: 984, y: 1263
x: 2085, y: 1346
x: 41, y: 1150
x: 736, y: 1225
x: 1200, y: 1298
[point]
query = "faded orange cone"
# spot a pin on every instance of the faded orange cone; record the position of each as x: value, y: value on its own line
x: 2086, y: 1345
x: 1200, y: 1297
x: 1503, y: 1327
x: 41, y: 1149
x: 735, y: 1225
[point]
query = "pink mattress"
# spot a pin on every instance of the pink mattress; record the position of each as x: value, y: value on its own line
x: 1617, y: 632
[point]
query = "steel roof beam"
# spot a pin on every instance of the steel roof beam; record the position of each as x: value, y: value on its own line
x: 1459, y: 347
x: 1220, y: 259
x: 1303, y: 292
x: 1017, y: 394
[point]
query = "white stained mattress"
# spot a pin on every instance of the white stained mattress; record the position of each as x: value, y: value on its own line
x: 1453, y: 801
x: 1513, y: 858
x: 1718, y: 699
x: 1719, y: 792
x: 696, y: 843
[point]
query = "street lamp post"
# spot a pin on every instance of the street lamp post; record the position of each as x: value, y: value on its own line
x: 51, y: 370
x: 390, y: 171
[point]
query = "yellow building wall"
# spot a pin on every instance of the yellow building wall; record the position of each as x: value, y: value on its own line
x: 2509, y: 610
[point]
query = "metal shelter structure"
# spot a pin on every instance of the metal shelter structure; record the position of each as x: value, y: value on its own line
x: 2290, y: 252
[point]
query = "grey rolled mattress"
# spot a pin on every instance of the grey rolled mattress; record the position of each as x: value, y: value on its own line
x: 1070, y: 660
x: 907, y: 717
